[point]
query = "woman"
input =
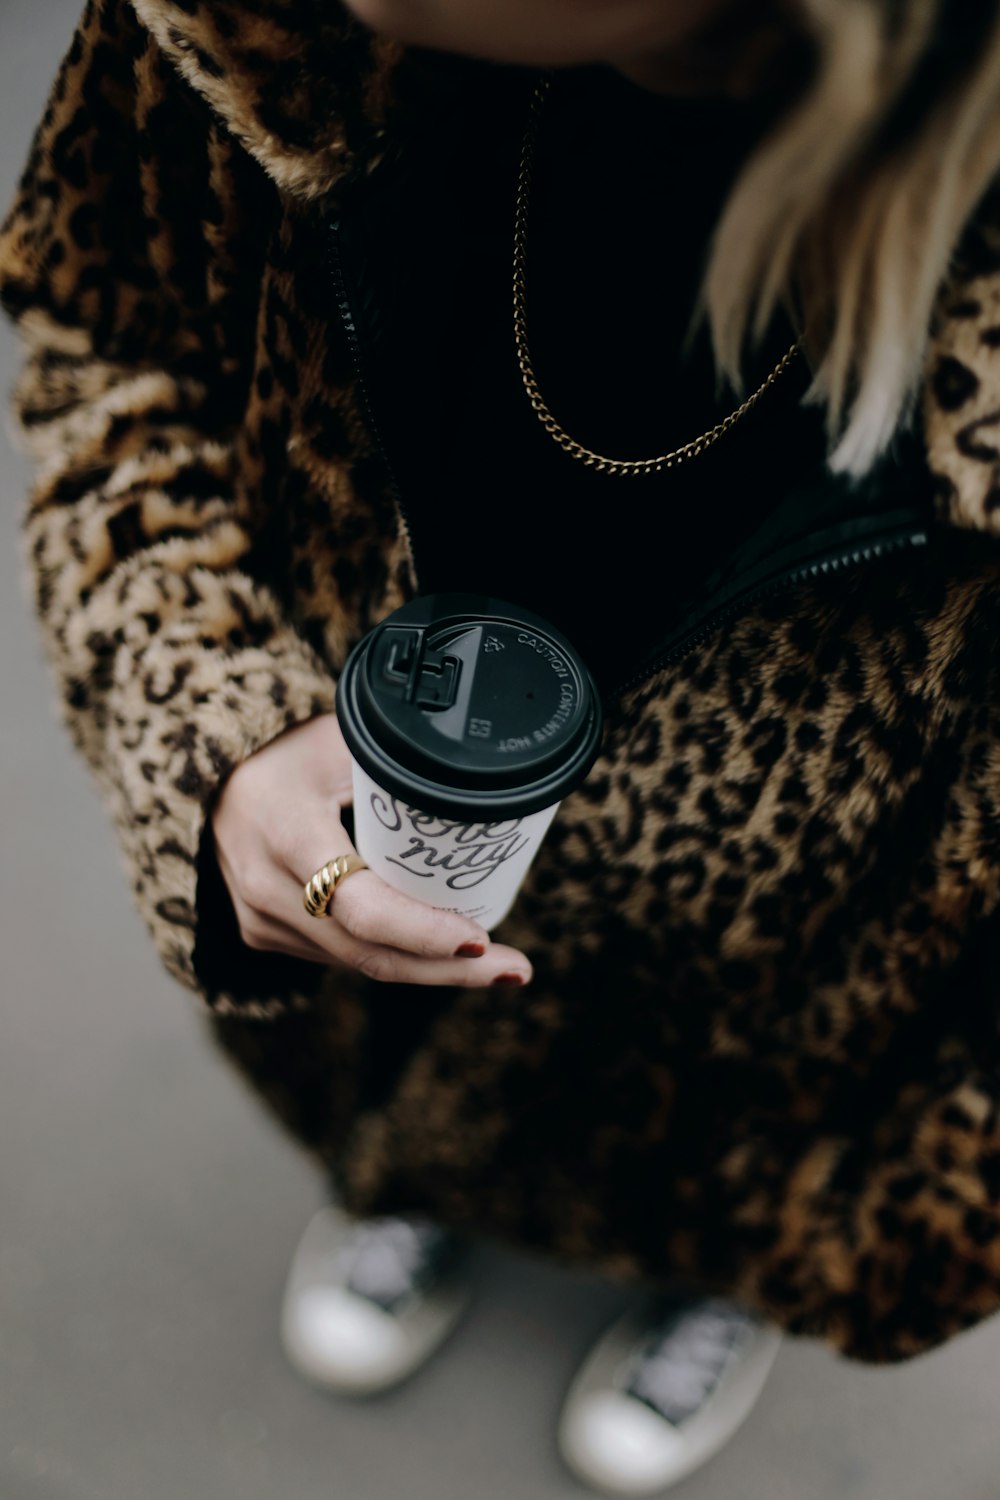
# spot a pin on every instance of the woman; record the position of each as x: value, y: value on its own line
x: 738, y: 1029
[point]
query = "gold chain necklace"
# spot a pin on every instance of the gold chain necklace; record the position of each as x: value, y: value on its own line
x: 568, y: 444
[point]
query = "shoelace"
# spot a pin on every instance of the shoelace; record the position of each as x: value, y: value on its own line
x: 685, y: 1356
x: 391, y: 1259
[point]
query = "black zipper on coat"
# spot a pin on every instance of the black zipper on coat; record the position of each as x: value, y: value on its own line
x: 348, y: 320
x: 688, y: 638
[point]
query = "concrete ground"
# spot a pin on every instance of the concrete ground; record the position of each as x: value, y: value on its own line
x: 149, y: 1209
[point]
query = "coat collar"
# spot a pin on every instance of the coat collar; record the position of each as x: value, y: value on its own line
x: 313, y: 96
x: 304, y: 87
x: 961, y: 398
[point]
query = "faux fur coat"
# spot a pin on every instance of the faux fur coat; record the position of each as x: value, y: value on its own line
x: 761, y: 1044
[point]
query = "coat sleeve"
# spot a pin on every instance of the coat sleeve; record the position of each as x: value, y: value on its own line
x: 131, y: 260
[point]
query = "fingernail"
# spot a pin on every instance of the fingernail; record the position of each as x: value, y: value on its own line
x: 470, y: 950
x: 509, y: 979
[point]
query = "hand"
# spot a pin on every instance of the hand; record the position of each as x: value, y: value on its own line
x: 278, y: 819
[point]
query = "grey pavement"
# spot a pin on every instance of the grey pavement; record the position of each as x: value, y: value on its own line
x: 149, y: 1208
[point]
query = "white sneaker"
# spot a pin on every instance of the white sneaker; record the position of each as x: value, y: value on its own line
x: 663, y: 1390
x: 368, y: 1301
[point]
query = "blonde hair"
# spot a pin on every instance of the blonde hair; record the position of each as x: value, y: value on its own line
x: 852, y: 208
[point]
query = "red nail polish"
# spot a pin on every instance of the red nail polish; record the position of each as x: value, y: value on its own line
x: 470, y: 950
x: 509, y: 979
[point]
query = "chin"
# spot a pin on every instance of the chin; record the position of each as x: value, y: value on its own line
x: 574, y: 31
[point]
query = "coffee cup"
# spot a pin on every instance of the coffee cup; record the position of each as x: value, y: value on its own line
x: 468, y: 720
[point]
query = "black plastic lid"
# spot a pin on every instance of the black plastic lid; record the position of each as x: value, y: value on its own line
x: 468, y: 706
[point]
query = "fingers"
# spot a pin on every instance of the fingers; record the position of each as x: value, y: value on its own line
x: 387, y: 965
x: 372, y: 911
x: 500, y: 965
x: 375, y: 913
x: 270, y: 933
x: 385, y: 925
x: 273, y: 918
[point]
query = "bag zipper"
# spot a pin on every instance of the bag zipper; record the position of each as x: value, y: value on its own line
x: 680, y: 645
x: 349, y: 323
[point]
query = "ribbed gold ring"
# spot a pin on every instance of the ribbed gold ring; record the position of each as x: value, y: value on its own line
x: 320, y: 887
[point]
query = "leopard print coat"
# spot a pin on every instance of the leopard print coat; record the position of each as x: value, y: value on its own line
x: 761, y: 1045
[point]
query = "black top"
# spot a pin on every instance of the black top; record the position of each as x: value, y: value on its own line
x: 626, y: 190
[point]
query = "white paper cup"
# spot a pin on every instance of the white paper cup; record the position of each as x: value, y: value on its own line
x: 473, y: 868
x: 468, y: 721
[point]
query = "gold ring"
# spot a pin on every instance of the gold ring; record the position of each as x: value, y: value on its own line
x: 320, y: 887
